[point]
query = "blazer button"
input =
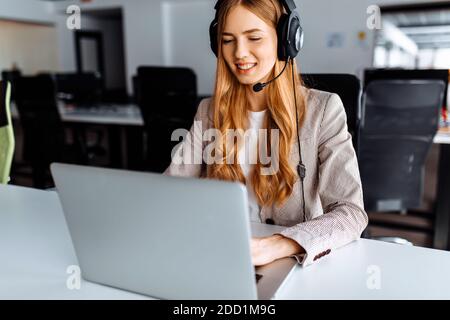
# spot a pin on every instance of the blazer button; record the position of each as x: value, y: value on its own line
x: 270, y: 221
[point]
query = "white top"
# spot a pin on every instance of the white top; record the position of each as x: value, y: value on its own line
x: 36, y: 251
x: 247, y: 157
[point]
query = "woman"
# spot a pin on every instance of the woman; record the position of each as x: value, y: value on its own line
x: 322, y: 210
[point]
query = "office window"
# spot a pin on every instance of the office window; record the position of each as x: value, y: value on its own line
x: 414, y: 37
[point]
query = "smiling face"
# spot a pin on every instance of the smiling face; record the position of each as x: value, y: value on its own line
x: 249, y: 46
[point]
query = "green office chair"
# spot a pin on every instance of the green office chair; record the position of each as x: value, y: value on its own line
x: 6, y: 133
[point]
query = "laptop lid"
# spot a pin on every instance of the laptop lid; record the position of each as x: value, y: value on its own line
x: 167, y: 237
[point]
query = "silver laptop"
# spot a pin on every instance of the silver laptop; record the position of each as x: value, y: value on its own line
x: 166, y: 237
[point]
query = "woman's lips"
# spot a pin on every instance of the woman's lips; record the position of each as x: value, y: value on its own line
x: 245, y: 68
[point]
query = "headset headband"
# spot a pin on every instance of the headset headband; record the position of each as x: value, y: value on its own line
x: 289, y: 31
x: 289, y: 5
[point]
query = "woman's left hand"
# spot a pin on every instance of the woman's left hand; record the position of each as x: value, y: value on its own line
x: 267, y: 249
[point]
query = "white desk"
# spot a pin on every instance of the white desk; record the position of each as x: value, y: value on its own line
x: 443, y: 136
x: 35, y: 251
x: 124, y: 115
x: 440, y: 138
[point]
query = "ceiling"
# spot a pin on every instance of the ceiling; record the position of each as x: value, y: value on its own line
x: 428, y: 29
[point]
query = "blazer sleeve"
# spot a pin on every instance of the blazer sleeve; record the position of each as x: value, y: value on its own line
x: 187, y: 156
x: 340, y: 189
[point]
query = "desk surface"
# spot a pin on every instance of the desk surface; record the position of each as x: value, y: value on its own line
x: 35, y: 251
x: 113, y: 114
x: 109, y: 114
x: 443, y: 136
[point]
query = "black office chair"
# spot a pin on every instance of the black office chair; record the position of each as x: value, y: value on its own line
x: 348, y: 87
x: 44, y: 134
x: 82, y: 89
x: 399, y: 121
x: 407, y: 74
x: 135, y: 86
x: 167, y: 98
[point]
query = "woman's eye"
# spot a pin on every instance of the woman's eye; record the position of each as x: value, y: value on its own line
x: 225, y: 41
x: 255, y: 39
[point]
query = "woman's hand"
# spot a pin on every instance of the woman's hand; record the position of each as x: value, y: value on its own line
x: 267, y: 249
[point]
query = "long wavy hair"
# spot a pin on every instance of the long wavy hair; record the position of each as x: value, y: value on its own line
x: 230, y: 112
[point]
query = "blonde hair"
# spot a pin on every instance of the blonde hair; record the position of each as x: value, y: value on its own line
x: 230, y: 112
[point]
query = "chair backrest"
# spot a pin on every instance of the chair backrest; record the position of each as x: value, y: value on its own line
x: 167, y: 92
x: 348, y: 87
x: 6, y: 133
x: 399, y: 121
x: 167, y: 98
x: 135, y: 85
x: 403, y: 74
x: 82, y: 89
x: 39, y: 116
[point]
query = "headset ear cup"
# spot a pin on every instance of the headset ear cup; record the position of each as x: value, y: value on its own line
x: 295, y: 38
x: 301, y: 38
x: 213, y: 37
x: 282, y: 30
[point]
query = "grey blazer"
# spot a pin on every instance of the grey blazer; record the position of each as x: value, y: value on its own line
x: 334, y: 205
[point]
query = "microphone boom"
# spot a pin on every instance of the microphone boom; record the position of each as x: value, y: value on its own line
x: 259, y: 86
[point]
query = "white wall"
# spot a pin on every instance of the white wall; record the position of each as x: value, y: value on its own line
x: 187, y: 35
x: 112, y: 32
x: 175, y: 32
x: 33, y: 47
x: 321, y: 17
x: 30, y: 47
x: 142, y: 31
x: 26, y: 10
x: 189, y: 43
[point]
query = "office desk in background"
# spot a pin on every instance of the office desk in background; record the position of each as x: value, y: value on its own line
x: 124, y: 123
x: 35, y: 252
x: 130, y: 115
x: 108, y: 114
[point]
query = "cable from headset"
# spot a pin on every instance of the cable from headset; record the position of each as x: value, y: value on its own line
x: 301, y: 169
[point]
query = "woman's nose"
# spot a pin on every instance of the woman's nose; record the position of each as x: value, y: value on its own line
x: 241, y: 50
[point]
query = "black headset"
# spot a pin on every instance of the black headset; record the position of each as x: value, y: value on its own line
x: 289, y: 31
x: 290, y: 42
